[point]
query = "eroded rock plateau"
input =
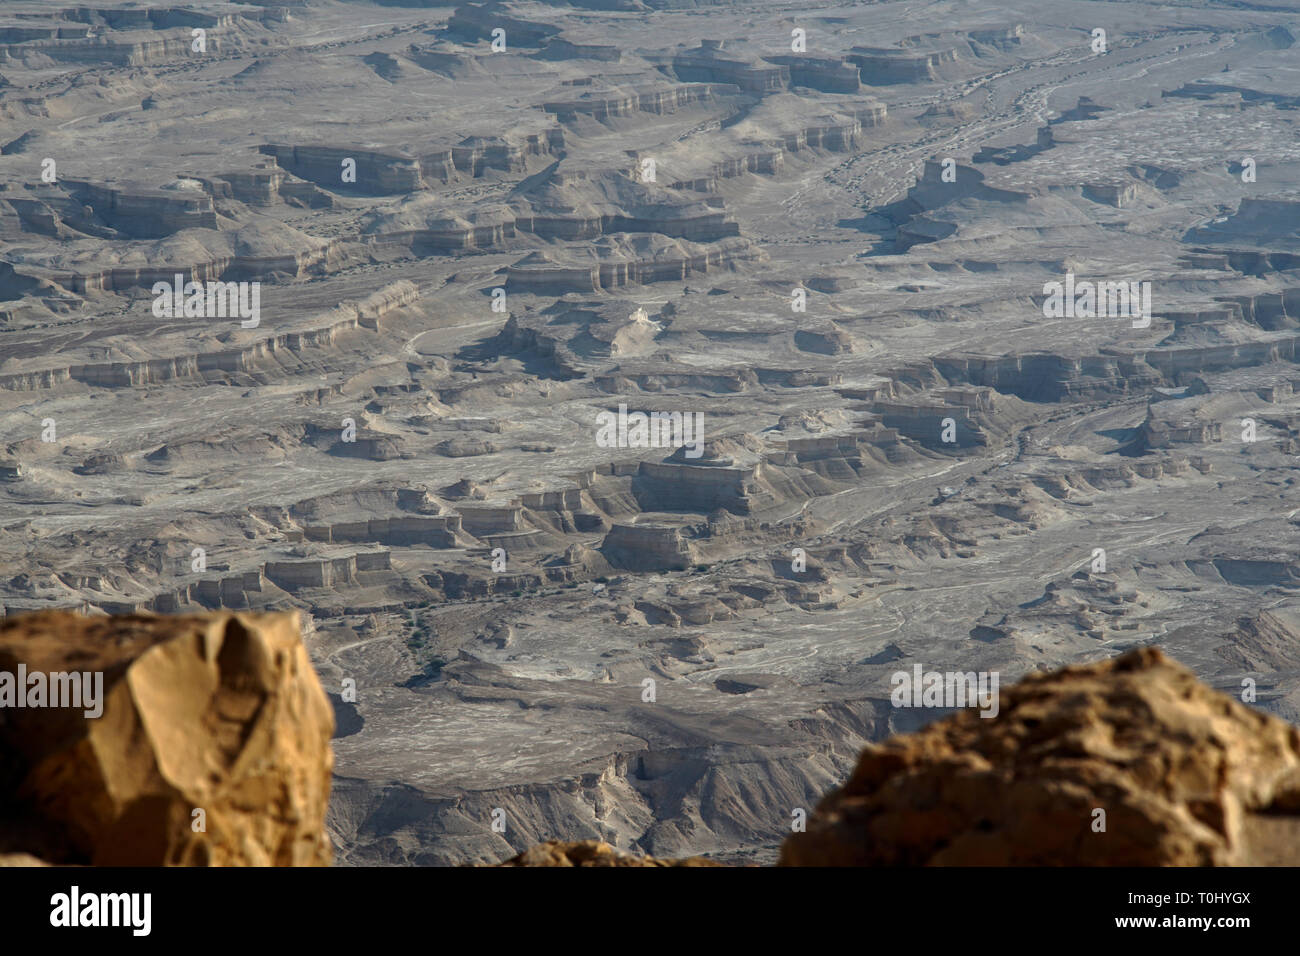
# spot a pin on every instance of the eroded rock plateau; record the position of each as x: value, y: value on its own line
x: 632, y: 389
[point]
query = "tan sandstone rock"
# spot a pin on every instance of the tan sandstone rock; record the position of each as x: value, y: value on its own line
x: 1186, y: 776
x: 215, y: 712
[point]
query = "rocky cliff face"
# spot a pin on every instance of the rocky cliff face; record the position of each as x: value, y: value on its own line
x: 212, y: 748
x: 1127, y: 762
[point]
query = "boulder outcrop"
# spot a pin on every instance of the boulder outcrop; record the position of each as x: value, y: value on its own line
x: 212, y: 748
x: 1182, y: 775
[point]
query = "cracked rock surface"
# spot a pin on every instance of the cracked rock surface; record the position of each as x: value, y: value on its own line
x: 212, y: 748
x: 1181, y: 774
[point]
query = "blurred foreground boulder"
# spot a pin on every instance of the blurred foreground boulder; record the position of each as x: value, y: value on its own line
x: 209, y: 745
x: 219, y: 713
x: 1185, y: 775
x: 592, y: 853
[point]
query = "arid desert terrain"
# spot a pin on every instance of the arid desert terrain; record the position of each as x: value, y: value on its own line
x: 625, y: 391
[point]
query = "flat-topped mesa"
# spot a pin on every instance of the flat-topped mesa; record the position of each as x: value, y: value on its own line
x: 970, y: 181
x: 567, y: 511
x: 1174, y: 423
x: 437, y: 531
x: 1115, y: 194
x: 923, y: 423
x: 265, y: 585
x: 1248, y: 261
x: 393, y: 296
x: 835, y: 134
x: 561, y: 499
x: 840, y: 457
x: 612, y: 262
x: 1184, y: 775
x: 523, y: 520
x: 345, y: 318
x: 422, y: 223
x: 148, y: 18
x: 415, y: 166
x: 232, y: 591
x: 728, y: 380
x: 216, y: 713
x: 147, y: 212
x: 826, y: 74
x: 868, y: 391
x: 560, y: 48
x: 266, y: 184
x: 767, y: 160
x: 946, y: 418
x: 680, y: 483
x: 263, y: 249
x: 378, y: 172
x: 882, y: 66
x: 1004, y: 38
x: 873, y: 114
x: 1040, y: 376
x: 1265, y: 221
x: 293, y: 574
x: 126, y: 49
x: 605, y: 103
x: 1257, y: 84
x: 1272, y: 385
x: 505, y: 526
x: 369, y: 445
x: 485, y: 520
x: 602, y: 104
x: 587, y: 205
x: 130, y: 37
x: 1171, y: 363
x: 647, y: 547
x: 936, y: 207
x: 474, y: 154
x: 708, y: 63
x: 259, y: 186
x: 476, y: 21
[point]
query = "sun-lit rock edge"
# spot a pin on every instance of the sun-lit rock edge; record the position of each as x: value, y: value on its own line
x: 212, y: 747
